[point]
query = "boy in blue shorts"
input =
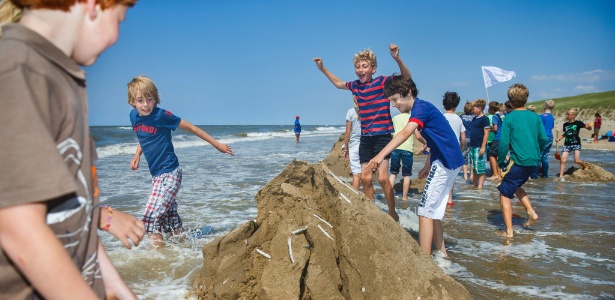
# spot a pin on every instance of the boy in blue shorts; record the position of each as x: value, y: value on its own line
x: 153, y: 126
x: 478, y: 142
x: 442, y: 165
x: 374, y: 108
x: 522, y: 133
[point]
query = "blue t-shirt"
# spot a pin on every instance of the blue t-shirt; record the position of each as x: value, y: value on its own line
x: 374, y: 107
x: 438, y: 134
x: 467, y: 123
x: 478, y: 131
x: 154, y: 134
x: 548, y: 122
x: 497, y: 119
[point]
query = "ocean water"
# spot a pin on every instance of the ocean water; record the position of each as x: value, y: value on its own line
x: 568, y: 254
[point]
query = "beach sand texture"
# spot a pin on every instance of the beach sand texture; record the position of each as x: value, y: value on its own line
x: 350, y: 249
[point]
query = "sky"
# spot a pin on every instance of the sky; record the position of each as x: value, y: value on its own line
x: 250, y: 62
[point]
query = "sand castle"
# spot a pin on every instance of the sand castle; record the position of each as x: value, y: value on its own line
x: 316, y: 238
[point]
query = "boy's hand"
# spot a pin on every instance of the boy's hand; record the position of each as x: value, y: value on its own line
x: 124, y: 226
x: 394, y: 50
x: 134, y: 163
x: 374, y: 163
x: 224, y: 148
x: 423, y: 172
x: 482, y: 150
x: 318, y: 62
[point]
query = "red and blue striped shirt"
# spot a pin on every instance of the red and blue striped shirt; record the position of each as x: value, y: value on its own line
x: 374, y: 107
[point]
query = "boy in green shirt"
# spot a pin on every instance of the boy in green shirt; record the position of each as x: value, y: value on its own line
x: 522, y: 133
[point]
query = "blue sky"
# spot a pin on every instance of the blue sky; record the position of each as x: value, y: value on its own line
x: 250, y: 62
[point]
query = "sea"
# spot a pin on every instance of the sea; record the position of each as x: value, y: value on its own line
x: 569, y: 253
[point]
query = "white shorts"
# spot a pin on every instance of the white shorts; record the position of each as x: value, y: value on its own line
x: 355, y: 164
x: 437, y: 187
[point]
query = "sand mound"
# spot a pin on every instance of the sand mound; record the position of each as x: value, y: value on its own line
x: 591, y: 173
x: 364, y: 254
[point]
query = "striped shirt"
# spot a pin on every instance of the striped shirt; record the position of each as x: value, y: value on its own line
x: 374, y: 107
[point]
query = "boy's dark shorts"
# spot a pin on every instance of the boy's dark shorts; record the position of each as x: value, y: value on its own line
x: 493, y: 149
x: 401, y: 159
x: 513, y: 177
x: 371, y: 145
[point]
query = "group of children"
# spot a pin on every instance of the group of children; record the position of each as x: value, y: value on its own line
x: 516, y: 141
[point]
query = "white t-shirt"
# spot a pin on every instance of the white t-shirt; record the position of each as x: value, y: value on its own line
x: 456, y: 124
x: 355, y: 133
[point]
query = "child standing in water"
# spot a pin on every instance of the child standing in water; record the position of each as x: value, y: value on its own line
x: 466, y: 118
x: 352, y: 137
x: 572, y: 142
x: 442, y: 164
x: 153, y: 126
x: 374, y: 108
x: 478, y: 142
x: 524, y: 136
x: 450, y: 103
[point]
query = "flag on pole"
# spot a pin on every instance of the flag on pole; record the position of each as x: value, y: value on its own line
x: 493, y: 75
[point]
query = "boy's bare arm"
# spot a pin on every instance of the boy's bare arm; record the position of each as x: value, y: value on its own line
x: 45, y: 263
x: 338, y: 83
x: 115, y: 287
x: 485, y: 138
x: 134, y: 162
x: 403, y: 69
x: 462, y: 136
x: 123, y: 226
x: 185, y: 125
x: 347, y: 138
x: 397, y: 140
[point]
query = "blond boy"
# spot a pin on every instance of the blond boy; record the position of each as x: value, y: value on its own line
x: 478, y: 141
x: 571, y: 130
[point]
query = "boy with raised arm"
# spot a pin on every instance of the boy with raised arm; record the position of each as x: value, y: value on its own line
x: 524, y: 136
x: 376, y: 123
x: 443, y: 163
x: 153, y: 126
x: 49, y: 204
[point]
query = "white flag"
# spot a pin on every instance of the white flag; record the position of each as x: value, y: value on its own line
x: 493, y: 75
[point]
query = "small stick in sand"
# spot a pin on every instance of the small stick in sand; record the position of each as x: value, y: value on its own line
x: 300, y: 230
x: 319, y: 218
x: 342, y: 182
x: 263, y: 253
x: 345, y: 198
x: 325, y: 232
x: 290, y: 251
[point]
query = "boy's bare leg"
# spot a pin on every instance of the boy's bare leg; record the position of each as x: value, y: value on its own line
x: 438, y: 237
x: 426, y: 234
x: 450, y: 196
x: 562, y: 164
x: 480, y: 181
x: 387, y: 188
x: 578, y: 161
x: 156, y: 239
x: 494, y: 169
x: 366, y: 179
x: 532, y: 216
x: 507, y: 215
x: 356, y: 181
x: 464, y: 168
x: 406, y: 188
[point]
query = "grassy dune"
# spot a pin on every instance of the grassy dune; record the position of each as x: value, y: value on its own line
x: 588, y: 105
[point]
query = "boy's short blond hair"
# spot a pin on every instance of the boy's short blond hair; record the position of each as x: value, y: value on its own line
x: 467, y: 108
x: 144, y: 86
x: 367, y: 55
x: 574, y: 111
x: 549, y: 104
x: 66, y: 4
x: 494, y: 106
x: 517, y: 95
x: 479, y: 103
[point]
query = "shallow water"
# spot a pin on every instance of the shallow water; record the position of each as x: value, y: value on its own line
x: 567, y: 254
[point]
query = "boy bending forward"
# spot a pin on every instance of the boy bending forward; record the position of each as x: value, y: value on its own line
x: 153, y: 127
x: 442, y: 165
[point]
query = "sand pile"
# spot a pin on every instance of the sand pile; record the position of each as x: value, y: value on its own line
x: 591, y: 173
x: 316, y: 238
